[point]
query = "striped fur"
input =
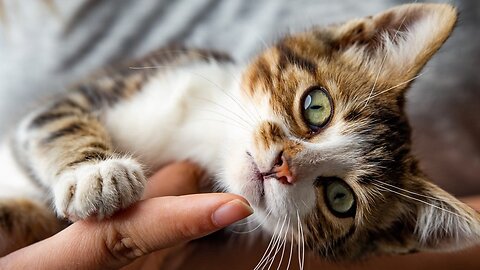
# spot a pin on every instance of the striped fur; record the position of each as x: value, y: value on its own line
x: 92, y: 148
x: 23, y: 222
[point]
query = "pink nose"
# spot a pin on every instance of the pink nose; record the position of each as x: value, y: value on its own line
x: 282, y: 171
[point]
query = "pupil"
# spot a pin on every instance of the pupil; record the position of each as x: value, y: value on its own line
x: 339, y: 196
x: 316, y: 107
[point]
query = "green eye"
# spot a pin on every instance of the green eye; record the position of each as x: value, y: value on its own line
x: 317, y: 107
x: 340, y: 198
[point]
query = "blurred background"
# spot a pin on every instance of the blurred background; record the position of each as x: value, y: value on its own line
x: 45, y: 45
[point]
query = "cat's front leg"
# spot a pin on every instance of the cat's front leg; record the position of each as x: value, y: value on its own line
x: 70, y: 153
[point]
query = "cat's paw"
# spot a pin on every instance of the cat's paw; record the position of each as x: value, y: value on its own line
x: 98, y: 189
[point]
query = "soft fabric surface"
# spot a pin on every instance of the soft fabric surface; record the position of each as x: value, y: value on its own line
x: 46, y: 45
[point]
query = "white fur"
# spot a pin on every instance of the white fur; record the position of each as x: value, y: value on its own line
x: 14, y: 181
x: 403, y: 54
x: 445, y: 225
x: 101, y: 189
x: 182, y: 114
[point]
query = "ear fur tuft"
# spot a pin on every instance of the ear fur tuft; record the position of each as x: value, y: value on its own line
x: 398, y: 42
x: 444, y: 223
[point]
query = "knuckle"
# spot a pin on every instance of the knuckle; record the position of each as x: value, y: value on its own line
x: 121, y: 246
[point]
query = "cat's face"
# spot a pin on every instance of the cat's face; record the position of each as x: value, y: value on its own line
x: 329, y: 144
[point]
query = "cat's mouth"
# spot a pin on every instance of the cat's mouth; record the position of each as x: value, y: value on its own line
x: 259, y: 185
x: 257, y: 176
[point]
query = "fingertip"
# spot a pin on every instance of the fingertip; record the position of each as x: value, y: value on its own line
x: 231, y: 212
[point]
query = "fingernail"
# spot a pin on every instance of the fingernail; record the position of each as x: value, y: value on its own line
x: 231, y: 212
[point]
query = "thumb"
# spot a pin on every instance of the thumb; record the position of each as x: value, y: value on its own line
x: 147, y: 226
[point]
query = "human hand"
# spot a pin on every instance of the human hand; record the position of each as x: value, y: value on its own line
x: 153, y: 224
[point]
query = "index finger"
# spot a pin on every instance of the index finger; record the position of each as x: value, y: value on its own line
x: 149, y: 225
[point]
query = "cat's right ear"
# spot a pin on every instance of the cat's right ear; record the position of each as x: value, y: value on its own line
x: 396, y: 43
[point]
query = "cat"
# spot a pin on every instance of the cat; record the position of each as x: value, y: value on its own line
x: 312, y: 132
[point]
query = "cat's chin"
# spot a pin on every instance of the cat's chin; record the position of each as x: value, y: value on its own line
x: 264, y: 195
x: 254, y: 189
x: 243, y: 178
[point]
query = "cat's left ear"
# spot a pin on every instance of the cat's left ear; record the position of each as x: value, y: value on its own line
x: 443, y: 223
x: 397, y: 42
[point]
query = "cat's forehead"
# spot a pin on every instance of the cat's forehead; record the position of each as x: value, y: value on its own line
x: 308, y: 59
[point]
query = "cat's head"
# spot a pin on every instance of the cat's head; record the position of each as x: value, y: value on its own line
x: 329, y: 142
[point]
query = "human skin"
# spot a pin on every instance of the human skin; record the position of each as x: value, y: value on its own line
x: 147, y: 229
x: 76, y: 247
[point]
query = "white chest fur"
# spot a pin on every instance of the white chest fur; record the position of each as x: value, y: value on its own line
x: 186, y: 113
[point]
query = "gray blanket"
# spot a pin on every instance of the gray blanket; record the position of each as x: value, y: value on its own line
x: 46, y: 45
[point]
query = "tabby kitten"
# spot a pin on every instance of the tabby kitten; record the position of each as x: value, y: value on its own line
x: 312, y: 132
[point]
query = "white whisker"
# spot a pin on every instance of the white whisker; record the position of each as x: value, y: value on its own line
x: 298, y: 244
x: 381, y: 65
x: 221, y: 90
x: 259, y: 264
x: 223, y: 122
x: 395, y: 86
x: 303, y: 246
x: 291, y: 251
x: 276, y: 246
x: 258, y: 226
x: 284, y: 243
x: 270, y: 255
x: 418, y: 194
x: 424, y: 202
x: 226, y: 110
x: 224, y: 117
x: 253, y: 219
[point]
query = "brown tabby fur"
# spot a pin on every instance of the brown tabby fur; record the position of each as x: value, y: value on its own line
x: 318, y: 57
